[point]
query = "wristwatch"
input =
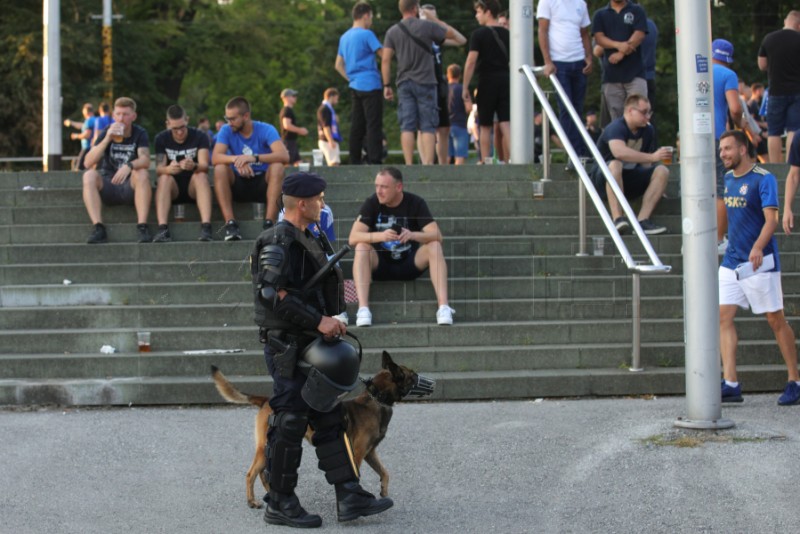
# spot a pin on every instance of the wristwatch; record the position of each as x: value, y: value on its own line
x: 256, y: 156
x: 129, y: 164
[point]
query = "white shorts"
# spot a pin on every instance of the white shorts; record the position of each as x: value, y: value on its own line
x: 331, y: 154
x: 762, y: 292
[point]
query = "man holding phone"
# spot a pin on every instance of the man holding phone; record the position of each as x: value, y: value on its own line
x: 182, y: 170
x: 396, y: 238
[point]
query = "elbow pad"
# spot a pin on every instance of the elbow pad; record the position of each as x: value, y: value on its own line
x: 292, y: 309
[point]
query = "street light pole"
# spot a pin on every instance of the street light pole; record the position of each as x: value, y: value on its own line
x: 108, y: 56
x: 51, y: 86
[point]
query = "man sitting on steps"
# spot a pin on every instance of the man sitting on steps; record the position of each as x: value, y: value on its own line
x: 396, y: 238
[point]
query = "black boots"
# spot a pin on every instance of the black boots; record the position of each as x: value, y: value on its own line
x: 285, y: 509
x: 353, y: 501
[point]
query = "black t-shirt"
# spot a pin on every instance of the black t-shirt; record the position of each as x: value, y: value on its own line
x: 324, y: 118
x: 644, y: 140
x: 782, y: 50
x: 455, y: 102
x: 127, y: 150
x: 411, y: 213
x: 287, y: 113
x: 166, y: 144
x: 492, y: 58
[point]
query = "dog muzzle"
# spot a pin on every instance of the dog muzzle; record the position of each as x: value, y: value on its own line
x: 423, y: 387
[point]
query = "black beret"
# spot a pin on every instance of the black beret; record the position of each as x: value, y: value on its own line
x: 303, y: 185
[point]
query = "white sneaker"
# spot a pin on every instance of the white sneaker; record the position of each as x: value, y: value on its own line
x: 343, y: 317
x: 364, y: 317
x: 722, y: 246
x: 444, y: 315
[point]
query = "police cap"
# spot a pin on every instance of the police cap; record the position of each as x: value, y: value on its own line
x: 303, y: 185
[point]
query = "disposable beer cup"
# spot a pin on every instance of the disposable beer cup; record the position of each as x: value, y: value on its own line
x: 258, y: 211
x: 668, y: 159
x: 304, y: 166
x: 143, y: 340
x: 116, y: 138
x: 317, y: 155
x: 538, y: 190
x: 179, y: 212
x: 599, y: 242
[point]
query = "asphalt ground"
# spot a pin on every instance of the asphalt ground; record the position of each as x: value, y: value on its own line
x: 550, y: 466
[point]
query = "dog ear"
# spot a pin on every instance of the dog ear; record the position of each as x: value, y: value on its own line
x: 389, y: 364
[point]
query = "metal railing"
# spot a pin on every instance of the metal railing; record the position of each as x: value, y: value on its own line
x: 587, y: 186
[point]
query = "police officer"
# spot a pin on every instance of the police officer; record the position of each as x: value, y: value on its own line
x: 295, y: 321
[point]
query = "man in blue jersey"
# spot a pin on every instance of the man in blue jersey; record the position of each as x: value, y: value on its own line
x: 248, y: 159
x: 750, y: 276
x: 356, y: 62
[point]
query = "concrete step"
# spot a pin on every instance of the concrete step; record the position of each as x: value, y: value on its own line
x: 516, y: 384
x: 381, y: 334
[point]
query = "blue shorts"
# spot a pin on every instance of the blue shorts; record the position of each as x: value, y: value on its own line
x: 459, y: 142
x: 783, y: 114
x: 417, y: 107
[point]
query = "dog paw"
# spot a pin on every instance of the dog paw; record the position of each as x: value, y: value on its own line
x: 254, y: 504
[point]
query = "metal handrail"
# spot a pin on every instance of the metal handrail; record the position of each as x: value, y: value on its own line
x: 636, y: 268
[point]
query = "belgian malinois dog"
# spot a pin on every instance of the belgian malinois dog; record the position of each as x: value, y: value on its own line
x: 366, y: 418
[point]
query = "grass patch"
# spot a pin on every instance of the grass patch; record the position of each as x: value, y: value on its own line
x: 688, y: 441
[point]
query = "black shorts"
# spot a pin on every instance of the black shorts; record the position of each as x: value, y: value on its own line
x: 182, y: 180
x: 249, y: 189
x: 389, y: 269
x: 444, y: 112
x: 634, y: 181
x: 494, y: 96
x: 294, y: 152
x: 113, y: 194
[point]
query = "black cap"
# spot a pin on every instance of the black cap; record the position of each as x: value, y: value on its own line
x: 303, y: 185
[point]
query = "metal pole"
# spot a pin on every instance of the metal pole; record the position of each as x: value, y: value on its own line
x: 108, y: 55
x: 581, y: 219
x: 521, y: 53
x: 698, y: 207
x: 636, y: 321
x: 546, y: 147
x: 51, y: 86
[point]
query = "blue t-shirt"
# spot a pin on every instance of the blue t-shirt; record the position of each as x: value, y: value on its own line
x: 259, y: 142
x: 619, y: 27
x: 643, y: 140
x: 358, y: 47
x: 649, y: 50
x: 745, y: 198
x: 102, y: 122
x: 88, y: 125
x: 724, y: 80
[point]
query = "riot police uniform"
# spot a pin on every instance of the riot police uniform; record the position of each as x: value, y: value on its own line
x: 286, y: 259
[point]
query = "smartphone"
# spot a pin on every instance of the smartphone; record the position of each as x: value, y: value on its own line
x: 397, y: 228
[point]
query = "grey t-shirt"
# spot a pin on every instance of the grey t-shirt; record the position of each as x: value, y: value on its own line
x: 414, y: 63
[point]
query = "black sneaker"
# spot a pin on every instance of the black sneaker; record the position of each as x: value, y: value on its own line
x: 622, y: 225
x: 267, y: 224
x: 650, y: 228
x: 205, y: 232
x: 144, y: 233
x: 232, y: 231
x: 163, y: 235
x: 98, y: 235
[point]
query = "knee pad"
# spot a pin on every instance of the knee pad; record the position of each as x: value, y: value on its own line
x: 336, y: 460
x: 285, y: 450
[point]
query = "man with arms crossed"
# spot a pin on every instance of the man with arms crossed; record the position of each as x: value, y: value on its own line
x: 751, y: 198
x: 396, y: 238
x: 248, y: 163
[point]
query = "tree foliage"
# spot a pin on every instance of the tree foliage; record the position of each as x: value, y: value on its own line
x: 200, y: 54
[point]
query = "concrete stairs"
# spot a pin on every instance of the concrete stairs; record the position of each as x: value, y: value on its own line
x: 532, y: 319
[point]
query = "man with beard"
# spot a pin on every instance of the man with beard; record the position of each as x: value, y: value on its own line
x: 249, y: 159
x: 750, y: 276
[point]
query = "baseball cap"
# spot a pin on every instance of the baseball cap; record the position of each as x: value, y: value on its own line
x: 722, y: 50
x: 288, y: 92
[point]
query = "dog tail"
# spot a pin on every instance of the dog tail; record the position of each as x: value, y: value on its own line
x: 231, y: 394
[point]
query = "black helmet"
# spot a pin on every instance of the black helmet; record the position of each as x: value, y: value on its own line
x: 332, y: 367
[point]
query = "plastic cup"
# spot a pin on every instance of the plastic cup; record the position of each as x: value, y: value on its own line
x: 143, y: 340
x: 304, y: 166
x: 538, y: 190
x: 317, y: 155
x: 179, y: 212
x: 258, y: 211
x: 668, y: 160
x: 599, y: 243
